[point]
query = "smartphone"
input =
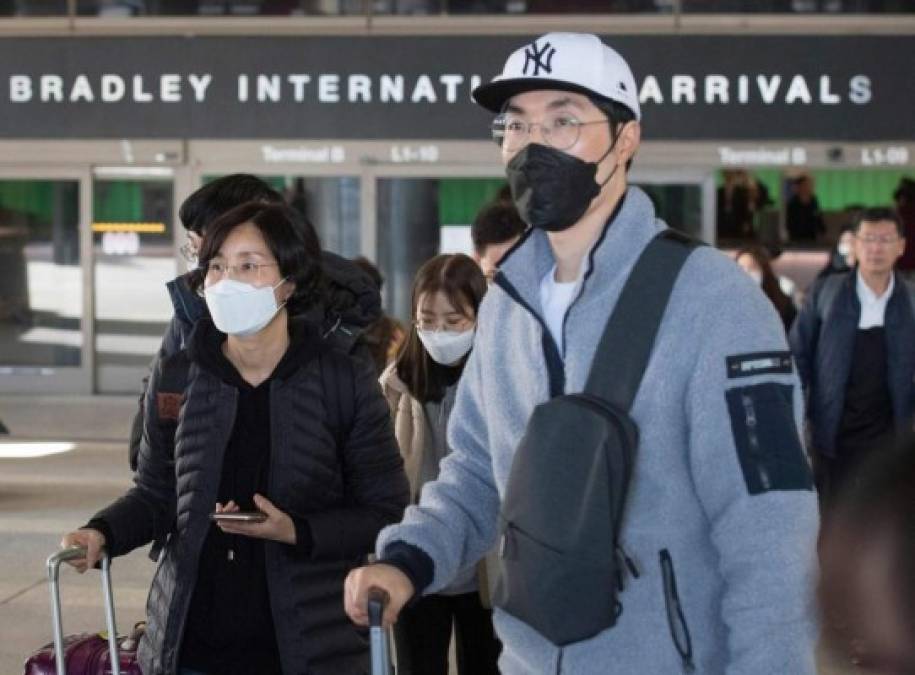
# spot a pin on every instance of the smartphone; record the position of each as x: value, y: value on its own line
x: 240, y: 516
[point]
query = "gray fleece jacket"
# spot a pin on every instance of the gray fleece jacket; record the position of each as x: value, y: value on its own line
x: 721, y: 520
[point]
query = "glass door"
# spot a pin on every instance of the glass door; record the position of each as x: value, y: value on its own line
x: 43, y: 285
x: 134, y: 257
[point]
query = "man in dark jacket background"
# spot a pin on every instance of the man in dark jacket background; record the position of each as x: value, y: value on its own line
x: 854, y: 344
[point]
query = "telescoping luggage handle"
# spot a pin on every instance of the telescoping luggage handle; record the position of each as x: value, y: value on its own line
x: 378, y: 639
x: 54, y: 562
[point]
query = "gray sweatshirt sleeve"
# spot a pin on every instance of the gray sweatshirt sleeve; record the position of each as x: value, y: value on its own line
x: 744, y: 410
x: 455, y: 520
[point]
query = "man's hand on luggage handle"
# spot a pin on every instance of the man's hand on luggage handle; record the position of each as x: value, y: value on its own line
x: 384, y: 577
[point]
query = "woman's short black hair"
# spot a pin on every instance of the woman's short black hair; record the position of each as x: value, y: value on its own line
x: 290, y: 238
x: 496, y: 223
x: 212, y: 200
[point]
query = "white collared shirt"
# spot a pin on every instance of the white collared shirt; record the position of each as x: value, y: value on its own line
x: 873, y: 307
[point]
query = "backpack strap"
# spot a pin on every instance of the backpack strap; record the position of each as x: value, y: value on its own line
x: 337, y: 369
x: 626, y: 344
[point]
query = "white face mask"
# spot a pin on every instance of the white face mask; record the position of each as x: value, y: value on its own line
x: 446, y: 347
x: 843, y: 250
x: 241, y: 309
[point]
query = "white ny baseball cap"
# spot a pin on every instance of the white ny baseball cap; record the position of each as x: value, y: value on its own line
x: 577, y: 62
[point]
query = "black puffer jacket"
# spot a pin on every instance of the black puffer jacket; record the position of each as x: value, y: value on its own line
x: 350, y: 304
x: 347, y: 495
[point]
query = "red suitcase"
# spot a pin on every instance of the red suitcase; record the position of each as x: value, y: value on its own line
x: 86, y: 653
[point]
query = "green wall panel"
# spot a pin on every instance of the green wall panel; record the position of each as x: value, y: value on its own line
x: 461, y: 198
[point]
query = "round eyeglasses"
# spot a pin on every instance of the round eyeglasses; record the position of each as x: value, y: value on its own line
x: 246, y: 272
x: 560, y: 131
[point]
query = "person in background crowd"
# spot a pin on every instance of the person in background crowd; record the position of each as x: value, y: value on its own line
x: 754, y: 260
x: 420, y: 388
x: 904, y: 198
x: 803, y: 217
x: 349, y: 301
x: 384, y: 336
x: 721, y: 494
x: 842, y: 255
x: 236, y: 598
x: 740, y: 199
x: 496, y: 228
x: 868, y: 558
x: 854, y: 349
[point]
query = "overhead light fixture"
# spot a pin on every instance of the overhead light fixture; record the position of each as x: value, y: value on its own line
x: 133, y: 172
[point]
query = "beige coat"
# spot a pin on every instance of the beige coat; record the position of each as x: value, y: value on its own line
x: 409, y: 426
x: 410, y: 431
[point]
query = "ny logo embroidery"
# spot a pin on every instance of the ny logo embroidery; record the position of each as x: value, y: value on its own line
x: 540, y: 58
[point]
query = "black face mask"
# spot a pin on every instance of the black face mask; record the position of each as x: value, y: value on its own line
x: 552, y: 189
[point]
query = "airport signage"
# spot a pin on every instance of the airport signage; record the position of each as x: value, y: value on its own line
x: 418, y: 88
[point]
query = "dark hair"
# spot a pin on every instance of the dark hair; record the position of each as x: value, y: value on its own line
x: 371, y: 269
x: 496, y: 223
x: 877, y: 214
x: 905, y: 190
x: 770, y: 285
x: 462, y: 282
x: 504, y: 194
x: 379, y: 338
x: 216, y: 197
x: 618, y: 114
x: 292, y: 241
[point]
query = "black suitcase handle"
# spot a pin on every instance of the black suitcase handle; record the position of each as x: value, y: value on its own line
x: 378, y: 639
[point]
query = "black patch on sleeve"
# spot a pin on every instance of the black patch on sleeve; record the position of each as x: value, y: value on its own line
x: 767, y: 440
x: 759, y: 363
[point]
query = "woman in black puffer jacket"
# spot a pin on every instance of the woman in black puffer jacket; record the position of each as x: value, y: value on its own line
x: 266, y: 418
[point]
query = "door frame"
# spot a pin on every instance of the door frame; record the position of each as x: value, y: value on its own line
x: 704, y: 179
x: 62, y: 379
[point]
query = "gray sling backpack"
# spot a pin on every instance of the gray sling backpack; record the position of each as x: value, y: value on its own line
x: 560, y: 561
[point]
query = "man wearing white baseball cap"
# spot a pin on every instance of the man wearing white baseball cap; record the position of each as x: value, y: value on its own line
x: 713, y: 550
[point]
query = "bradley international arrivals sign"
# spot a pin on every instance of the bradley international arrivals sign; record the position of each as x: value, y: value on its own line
x: 831, y: 88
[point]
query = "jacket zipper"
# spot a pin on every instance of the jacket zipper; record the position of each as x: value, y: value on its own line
x: 554, y: 364
x: 557, y: 379
x: 587, y: 275
x: 676, y: 621
x: 753, y: 439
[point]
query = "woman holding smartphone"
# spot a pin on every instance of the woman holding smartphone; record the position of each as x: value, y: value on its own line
x: 420, y: 388
x: 269, y: 473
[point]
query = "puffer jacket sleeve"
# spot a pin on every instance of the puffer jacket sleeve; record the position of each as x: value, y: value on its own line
x: 147, y: 511
x: 171, y: 343
x: 375, y: 484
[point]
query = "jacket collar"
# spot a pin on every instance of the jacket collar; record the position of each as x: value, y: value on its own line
x: 629, y: 229
x: 189, y: 306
